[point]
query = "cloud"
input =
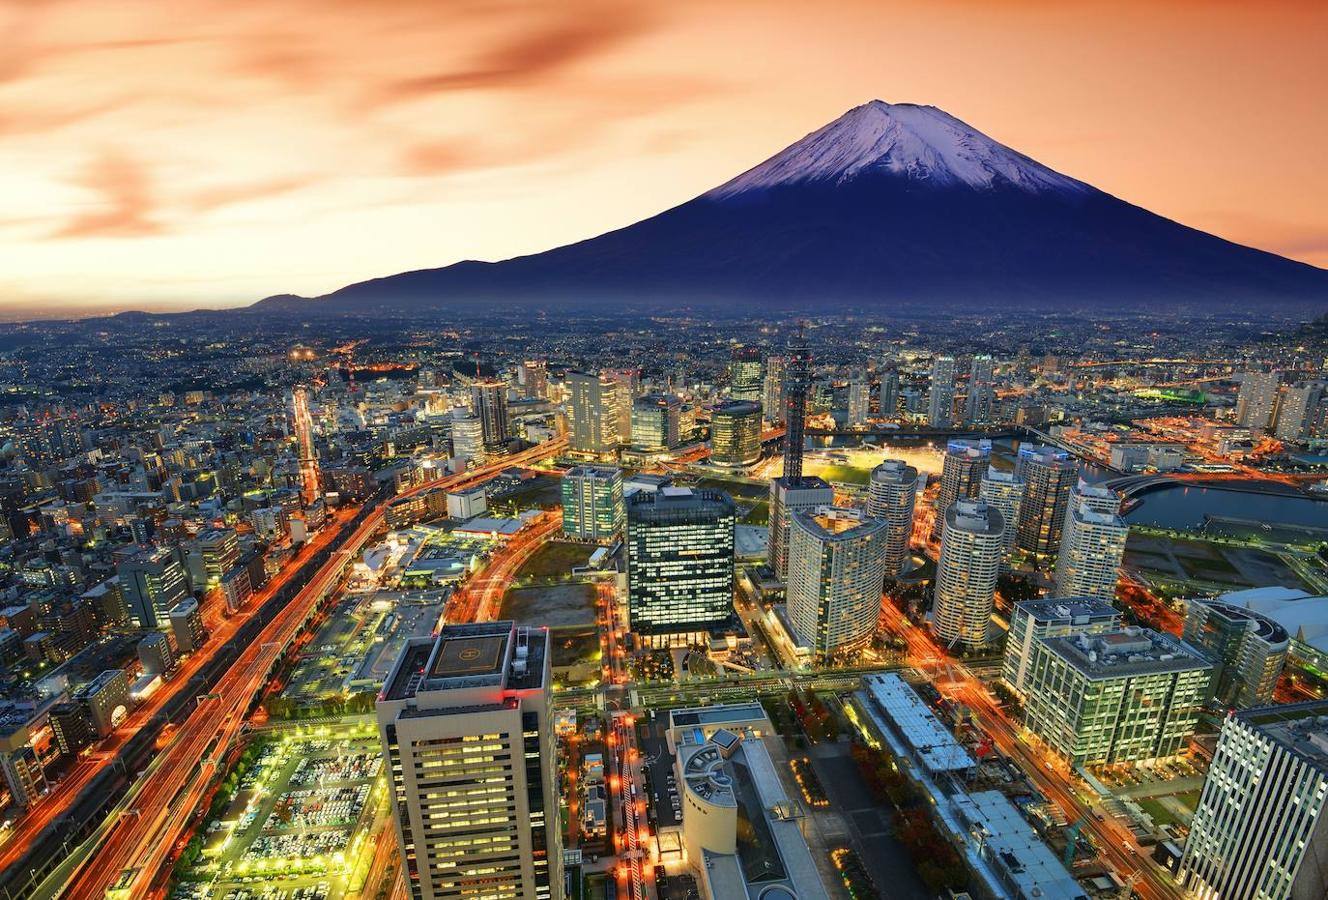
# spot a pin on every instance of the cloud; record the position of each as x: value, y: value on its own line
x: 227, y: 195
x: 128, y: 207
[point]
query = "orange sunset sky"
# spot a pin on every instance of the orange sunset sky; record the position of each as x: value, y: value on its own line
x: 211, y: 152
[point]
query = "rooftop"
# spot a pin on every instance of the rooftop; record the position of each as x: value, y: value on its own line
x: 1300, y: 727
x: 1126, y: 652
x: 1304, y: 616
x: 1070, y: 610
x: 834, y: 523
x: 934, y: 745
x: 1264, y: 626
x: 975, y: 516
x: 499, y: 655
x: 1022, y: 859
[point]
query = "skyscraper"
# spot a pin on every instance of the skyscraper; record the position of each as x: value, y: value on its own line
x: 772, y: 399
x: 980, y: 406
x: 965, y: 463
x: 1249, y: 650
x: 468, y: 743
x: 745, y: 381
x: 892, y: 493
x: 655, y: 419
x: 592, y: 413
x: 1260, y: 829
x: 1090, y: 554
x: 940, y: 399
x: 859, y: 399
x: 836, y: 567
x: 1033, y: 620
x: 468, y: 437
x: 1257, y: 400
x: 792, y: 492
x: 153, y: 583
x: 1300, y: 412
x: 536, y: 373
x: 890, y: 392
x: 799, y: 370
x: 679, y: 563
x: 1049, y: 475
x: 1005, y: 491
x: 592, y: 502
x: 488, y: 402
x: 972, y: 541
x: 735, y: 434
x: 1097, y: 497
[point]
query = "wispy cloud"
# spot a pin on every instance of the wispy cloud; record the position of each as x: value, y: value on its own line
x: 126, y: 206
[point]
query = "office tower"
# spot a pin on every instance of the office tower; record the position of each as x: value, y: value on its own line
x: 1248, y: 648
x: 592, y: 503
x: 220, y: 551
x: 1300, y: 412
x: 1090, y: 554
x: 187, y: 625
x: 1260, y: 831
x: 972, y: 541
x: 1005, y: 491
x: 980, y: 405
x: 961, y: 475
x: 71, y: 726
x: 799, y: 369
x: 468, y: 438
x: 536, y: 379
x: 488, y: 403
x: 106, y: 700
x: 836, y: 567
x: 153, y: 583
x: 859, y: 399
x: 679, y: 562
x: 890, y: 393
x: 941, y: 395
x: 156, y: 655
x: 468, y: 742
x: 891, y: 494
x: 1049, y: 474
x: 655, y: 422
x: 1033, y: 620
x: 789, y: 496
x: 735, y: 434
x: 745, y: 380
x: 586, y: 419
x: 772, y: 395
x: 1131, y: 695
x: 1257, y: 400
x: 620, y: 387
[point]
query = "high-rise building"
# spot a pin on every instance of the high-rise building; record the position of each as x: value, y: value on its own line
x: 187, y: 625
x: 488, y: 402
x: 592, y: 413
x: 745, y: 380
x: 941, y: 395
x: 1248, y: 648
x: 799, y: 369
x: 859, y: 400
x: 536, y: 375
x: 679, y: 562
x: 892, y: 492
x: 890, y: 393
x: 980, y: 406
x: 1033, y: 620
x: 1131, y: 695
x: 972, y: 542
x: 153, y: 583
x: 789, y: 496
x: 1257, y: 400
x: 1097, y: 497
x: 1005, y: 491
x: 772, y: 394
x: 735, y: 434
x: 468, y: 743
x: 965, y: 463
x: 1049, y: 475
x: 1300, y: 412
x: 220, y: 550
x: 592, y: 503
x: 620, y: 388
x: 1260, y: 831
x: 1090, y: 554
x: 655, y: 419
x: 468, y: 438
x: 836, y: 567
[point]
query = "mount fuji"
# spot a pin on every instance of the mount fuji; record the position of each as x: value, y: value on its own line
x: 888, y: 208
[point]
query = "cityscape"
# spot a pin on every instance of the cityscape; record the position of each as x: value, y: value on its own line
x: 901, y: 518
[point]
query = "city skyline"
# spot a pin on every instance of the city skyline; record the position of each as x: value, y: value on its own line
x: 279, y: 141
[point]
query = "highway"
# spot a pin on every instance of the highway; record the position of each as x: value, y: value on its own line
x: 139, y: 843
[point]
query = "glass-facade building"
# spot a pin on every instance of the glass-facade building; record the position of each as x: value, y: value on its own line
x: 592, y: 503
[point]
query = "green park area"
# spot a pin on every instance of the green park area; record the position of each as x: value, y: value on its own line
x: 556, y: 559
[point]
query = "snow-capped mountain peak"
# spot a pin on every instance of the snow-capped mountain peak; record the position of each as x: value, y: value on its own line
x: 918, y: 143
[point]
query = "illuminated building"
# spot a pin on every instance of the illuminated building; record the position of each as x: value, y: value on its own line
x: 1005, y: 491
x: 941, y: 395
x: 735, y: 434
x: 1302, y: 413
x: 599, y: 413
x: 468, y: 438
x: 1131, y: 695
x: 965, y: 463
x: 655, y: 422
x: 893, y: 490
x: 488, y: 403
x: 772, y: 394
x: 535, y: 373
x: 153, y: 583
x: 859, y: 400
x: 1033, y: 620
x: 789, y: 496
x: 592, y: 502
x: 980, y: 406
x: 972, y: 542
x: 1249, y: 650
x: 105, y: 699
x: 836, y: 567
x: 468, y: 741
x: 1090, y: 553
x: 1257, y: 400
x: 679, y: 562
x: 187, y: 625
x: 890, y: 392
x: 220, y: 551
x: 745, y: 379
x: 1260, y: 829
x: 1049, y: 475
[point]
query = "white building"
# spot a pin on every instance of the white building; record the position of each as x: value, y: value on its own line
x: 1033, y: 620
x: 1257, y: 400
x: 940, y: 399
x: 836, y: 567
x: 972, y: 542
x: 1005, y: 491
x: 1090, y: 554
x: 892, y: 493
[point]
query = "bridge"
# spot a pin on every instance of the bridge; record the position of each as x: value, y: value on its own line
x: 1131, y: 486
x: 917, y: 432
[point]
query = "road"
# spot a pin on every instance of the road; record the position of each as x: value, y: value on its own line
x: 1114, y: 842
x: 140, y: 842
x: 481, y: 598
